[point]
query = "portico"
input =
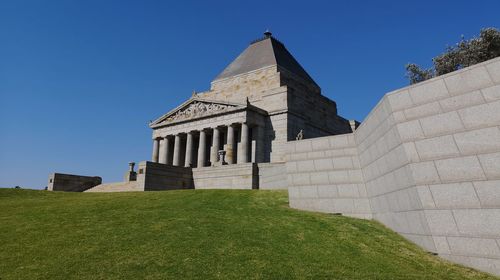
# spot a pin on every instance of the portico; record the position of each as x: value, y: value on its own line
x: 193, y: 134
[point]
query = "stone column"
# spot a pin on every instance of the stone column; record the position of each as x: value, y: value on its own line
x: 215, y: 146
x: 230, y: 144
x: 189, y: 150
x: 261, y: 139
x: 202, y: 148
x: 165, y: 152
x: 177, y: 150
x: 253, y: 144
x: 243, y: 158
x: 156, y: 150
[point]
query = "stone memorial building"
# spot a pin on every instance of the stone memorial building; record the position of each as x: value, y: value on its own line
x: 263, y: 99
x: 235, y: 134
x: 425, y: 162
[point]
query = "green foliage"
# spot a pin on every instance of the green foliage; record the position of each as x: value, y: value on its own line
x: 463, y: 54
x: 415, y: 74
x: 199, y: 234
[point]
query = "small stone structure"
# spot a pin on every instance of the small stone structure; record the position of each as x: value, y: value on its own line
x: 425, y: 162
x: 130, y: 175
x: 72, y: 183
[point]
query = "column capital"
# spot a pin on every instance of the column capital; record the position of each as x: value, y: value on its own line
x: 245, y: 123
x: 251, y: 123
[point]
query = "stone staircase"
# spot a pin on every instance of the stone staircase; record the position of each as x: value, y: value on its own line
x: 117, y: 187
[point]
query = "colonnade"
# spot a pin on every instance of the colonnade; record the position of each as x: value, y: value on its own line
x: 187, y: 154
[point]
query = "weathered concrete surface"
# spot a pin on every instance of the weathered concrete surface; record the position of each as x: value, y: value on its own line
x: 429, y: 155
x: 71, y: 183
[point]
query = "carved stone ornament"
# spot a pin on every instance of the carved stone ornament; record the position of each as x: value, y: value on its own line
x: 198, y: 109
x: 300, y: 136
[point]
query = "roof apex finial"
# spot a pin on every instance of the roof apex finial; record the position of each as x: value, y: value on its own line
x: 268, y: 33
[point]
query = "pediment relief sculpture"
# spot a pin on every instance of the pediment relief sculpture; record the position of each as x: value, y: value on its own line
x: 198, y: 109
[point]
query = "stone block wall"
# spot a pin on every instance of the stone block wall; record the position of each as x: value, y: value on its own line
x: 251, y: 84
x: 272, y: 176
x: 152, y: 176
x: 324, y: 175
x: 276, y: 133
x: 71, y: 183
x: 450, y: 128
x: 430, y: 159
x: 387, y: 164
x: 310, y: 111
x: 234, y: 176
x: 315, y: 114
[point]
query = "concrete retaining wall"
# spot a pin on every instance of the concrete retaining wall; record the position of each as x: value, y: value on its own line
x: 430, y: 161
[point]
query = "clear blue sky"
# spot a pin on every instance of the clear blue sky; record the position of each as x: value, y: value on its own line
x: 79, y: 80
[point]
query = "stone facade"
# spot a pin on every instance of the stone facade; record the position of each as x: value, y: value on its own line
x: 429, y: 157
x: 324, y: 174
x: 267, y: 98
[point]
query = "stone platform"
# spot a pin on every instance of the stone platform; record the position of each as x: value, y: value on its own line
x: 152, y: 176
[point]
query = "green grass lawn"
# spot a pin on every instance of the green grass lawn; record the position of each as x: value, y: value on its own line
x: 219, y: 234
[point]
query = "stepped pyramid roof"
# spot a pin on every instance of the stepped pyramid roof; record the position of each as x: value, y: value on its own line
x: 264, y: 52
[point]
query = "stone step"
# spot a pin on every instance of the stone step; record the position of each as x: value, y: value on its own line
x: 116, y: 187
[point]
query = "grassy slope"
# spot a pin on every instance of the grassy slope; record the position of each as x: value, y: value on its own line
x: 198, y: 235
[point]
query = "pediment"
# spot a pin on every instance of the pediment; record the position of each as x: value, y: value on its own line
x: 195, y: 108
